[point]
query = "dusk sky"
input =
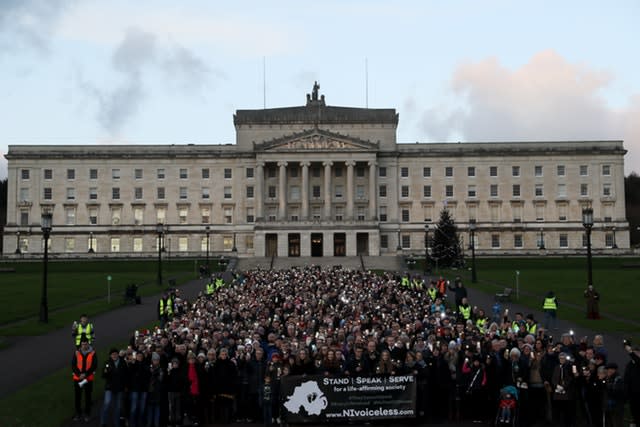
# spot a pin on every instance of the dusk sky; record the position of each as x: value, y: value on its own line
x: 174, y: 72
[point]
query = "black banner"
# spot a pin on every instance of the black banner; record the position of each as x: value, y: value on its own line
x: 317, y: 398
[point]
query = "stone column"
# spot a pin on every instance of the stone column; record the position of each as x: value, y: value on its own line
x: 349, y: 191
x: 259, y: 192
x: 282, y: 190
x: 373, y: 194
x: 327, y: 191
x: 305, y: 190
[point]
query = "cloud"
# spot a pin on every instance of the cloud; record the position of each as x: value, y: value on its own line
x: 547, y: 98
x: 137, y: 56
x: 29, y: 24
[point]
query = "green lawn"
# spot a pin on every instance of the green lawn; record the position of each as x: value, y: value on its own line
x: 77, y: 286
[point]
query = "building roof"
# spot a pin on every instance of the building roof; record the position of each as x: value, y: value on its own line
x: 318, y: 114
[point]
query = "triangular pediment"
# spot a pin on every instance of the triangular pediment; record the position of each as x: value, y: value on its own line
x: 316, y: 140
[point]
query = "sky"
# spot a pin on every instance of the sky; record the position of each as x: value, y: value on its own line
x: 168, y: 72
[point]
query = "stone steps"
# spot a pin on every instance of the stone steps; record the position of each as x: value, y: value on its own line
x: 389, y: 263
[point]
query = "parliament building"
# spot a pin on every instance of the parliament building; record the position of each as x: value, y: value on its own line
x: 314, y: 180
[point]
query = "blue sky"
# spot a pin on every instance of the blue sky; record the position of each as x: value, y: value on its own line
x: 167, y: 72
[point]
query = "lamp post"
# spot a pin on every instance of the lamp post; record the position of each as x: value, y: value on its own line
x: 91, y: 242
x: 18, y: 251
x: 587, y: 223
x: 472, y: 244
x: 160, y: 231
x: 399, y: 247
x: 45, y: 223
x: 541, y: 242
x: 426, y: 248
x: 614, y: 245
x: 234, y: 249
x: 207, y: 229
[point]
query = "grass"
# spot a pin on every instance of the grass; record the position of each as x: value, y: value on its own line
x: 75, y: 287
x: 619, y: 287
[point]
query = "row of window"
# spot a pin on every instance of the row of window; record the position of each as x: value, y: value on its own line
x: 116, y: 174
x: 472, y: 192
x: 448, y: 171
x: 205, y: 173
x: 339, y: 192
x: 137, y: 244
x: 496, y: 241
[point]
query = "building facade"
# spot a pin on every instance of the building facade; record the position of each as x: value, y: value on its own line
x: 314, y: 180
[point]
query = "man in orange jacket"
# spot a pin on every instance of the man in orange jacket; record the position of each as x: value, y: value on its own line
x: 83, y: 364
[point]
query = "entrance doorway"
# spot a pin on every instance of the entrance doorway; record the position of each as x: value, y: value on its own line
x: 316, y: 244
x: 294, y: 244
x: 271, y: 245
x: 339, y: 244
x: 362, y: 244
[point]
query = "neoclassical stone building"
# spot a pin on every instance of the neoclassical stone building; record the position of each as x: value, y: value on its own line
x: 314, y: 180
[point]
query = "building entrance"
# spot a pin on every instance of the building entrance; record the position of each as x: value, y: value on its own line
x: 316, y: 244
x: 339, y: 244
x: 294, y: 244
x: 362, y: 243
x: 271, y: 244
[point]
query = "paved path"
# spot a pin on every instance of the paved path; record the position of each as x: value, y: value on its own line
x: 57, y: 346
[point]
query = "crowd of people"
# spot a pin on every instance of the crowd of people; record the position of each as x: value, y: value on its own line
x: 220, y: 358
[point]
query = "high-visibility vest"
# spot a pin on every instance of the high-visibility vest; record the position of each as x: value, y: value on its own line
x: 84, y: 363
x: 465, y: 311
x: 550, y: 304
x: 219, y: 283
x: 87, y: 330
x: 405, y: 282
x: 433, y: 293
x: 169, y: 306
x: 166, y: 307
x: 531, y: 328
x: 480, y: 324
x: 417, y: 284
x: 209, y: 289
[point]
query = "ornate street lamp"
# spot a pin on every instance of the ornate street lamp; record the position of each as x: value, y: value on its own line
x: 472, y: 244
x: 541, y: 240
x: 160, y: 232
x: 234, y: 249
x: 91, y: 242
x: 45, y: 224
x: 18, y: 251
x: 587, y: 223
x: 614, y: 245
x: 426, y: 248
x: 207, y: 229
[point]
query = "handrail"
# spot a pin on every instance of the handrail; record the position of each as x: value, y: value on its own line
x: 273, y: 258
x: 362, y: 262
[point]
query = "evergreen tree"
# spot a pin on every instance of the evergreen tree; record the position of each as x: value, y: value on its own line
x: 446, y: 246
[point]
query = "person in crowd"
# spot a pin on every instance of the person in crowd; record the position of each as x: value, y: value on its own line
x: 83, y: 328
x: 224, y: 375
x: 176, y: 387
x: 139, y: 375
x: 632, y: 380
x: 83, y: 365
x: 614, y: 409
x: 550, y: 309
x: 592, y: 298
x: 459, y: 291
x: 156, y: 390
x: 563, y: 385
x: 115, y: 381
x: 165, y: 309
